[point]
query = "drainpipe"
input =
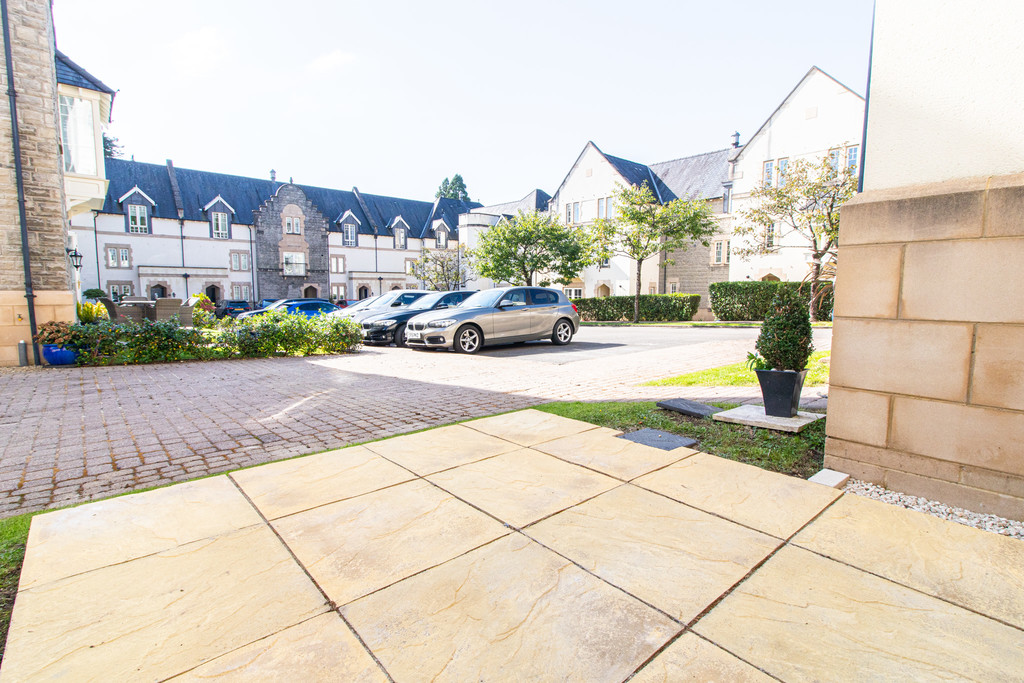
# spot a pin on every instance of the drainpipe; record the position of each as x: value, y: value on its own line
x: 20, y: 180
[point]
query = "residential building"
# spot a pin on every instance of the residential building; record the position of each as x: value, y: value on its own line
x: 472, y: 224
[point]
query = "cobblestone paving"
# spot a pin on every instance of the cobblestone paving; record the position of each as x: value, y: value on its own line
x: 74, y: 434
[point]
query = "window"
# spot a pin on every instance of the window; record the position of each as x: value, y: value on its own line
x: 292, y: 226
x: 119, y: 257
x: 767, y: 178
x: 605, y: 263
x: 721, y: 252
x: 337, y: 264
x: 112, y: 257
x: 220, y: 225
x: 125, y: 260
x: 673, y: 287
x: 568, y: 214
x: 833, y: 159
x: 348, y: 234
x: 77, y: 136
x: 239, y: 261
x: 783, y: 165
x: 442, y: 239
x: 651, y: 289
x: 399, y: 238
x: 600, y: 208
x: 726, y: 199
x: 575, y: 212
x: 608, y: 207
x: 294, y: 263
x: 120, y: 290
x: 769, y: 237
x: 240, y: 292
x: 574, y: 292
x: 138, y: 219
x: 337, y: 292
x: 852, y: 157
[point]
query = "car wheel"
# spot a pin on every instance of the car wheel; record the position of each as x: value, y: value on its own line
x: 562, y: 334
x: 469, y: 339
x: 400, y: 336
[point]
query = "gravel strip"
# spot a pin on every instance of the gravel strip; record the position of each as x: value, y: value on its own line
x: 997, y: 525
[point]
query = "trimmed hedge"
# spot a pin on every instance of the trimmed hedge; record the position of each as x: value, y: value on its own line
x: 660, y: 307
x: 752, y: 300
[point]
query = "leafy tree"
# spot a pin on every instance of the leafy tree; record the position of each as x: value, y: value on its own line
x: 644, y: 227
x: 442, y: 269
x: 453, y: 189
x: 112, y: 148
x: 516, y: 250
x: 801, y: 209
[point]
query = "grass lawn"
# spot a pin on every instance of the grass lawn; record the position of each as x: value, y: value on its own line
x: 13, y: 536
x: 737, y: 375
x: 801, y: 455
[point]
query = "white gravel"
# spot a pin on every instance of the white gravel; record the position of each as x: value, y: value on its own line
x: 997, y: 525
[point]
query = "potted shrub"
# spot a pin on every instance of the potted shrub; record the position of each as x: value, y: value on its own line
x: 58, y: 340
x: 783, y: 348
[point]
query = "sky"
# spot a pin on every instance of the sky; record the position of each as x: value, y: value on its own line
x: 392, y: 96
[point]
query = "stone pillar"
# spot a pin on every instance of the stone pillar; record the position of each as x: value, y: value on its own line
x: 927, y: 376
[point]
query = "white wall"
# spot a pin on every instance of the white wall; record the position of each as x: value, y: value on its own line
x: 946, y: 91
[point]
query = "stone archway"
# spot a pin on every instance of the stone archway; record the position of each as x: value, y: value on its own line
x: 213, y: 292
x: 310, y: 292
x: 603, y: 290
x: 770, y: 277
x: 364, y: 292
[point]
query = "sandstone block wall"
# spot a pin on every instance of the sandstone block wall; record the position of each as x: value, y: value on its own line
x: 927, y: 380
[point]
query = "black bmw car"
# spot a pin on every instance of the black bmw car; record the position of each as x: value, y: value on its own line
x: 389, y: 326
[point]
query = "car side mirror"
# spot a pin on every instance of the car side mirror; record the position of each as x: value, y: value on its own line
x: 441, y: 306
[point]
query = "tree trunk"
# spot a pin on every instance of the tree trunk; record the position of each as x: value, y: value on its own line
x: 815, y: 287
x: 636, y: 299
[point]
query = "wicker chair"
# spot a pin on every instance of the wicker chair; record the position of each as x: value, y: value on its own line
x: 111, y: 307
x: 167, y: 308
x: 133, y: 313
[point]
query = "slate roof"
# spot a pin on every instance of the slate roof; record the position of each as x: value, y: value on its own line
x: 699, y: 176
x: 537, y: 200
x: 246, y: 195
x: 634, y: 173
x: 70, y: 73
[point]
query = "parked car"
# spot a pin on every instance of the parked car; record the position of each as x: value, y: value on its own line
x: 396, y: 298
x: 231, y: 307
x: 389, y: 326
x: 345, y: 303
x: 289, y: 306
x: 264, y: 303
x: 504, y: 315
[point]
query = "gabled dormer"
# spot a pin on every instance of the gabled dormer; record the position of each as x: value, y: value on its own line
x: 349, y: 224
x: 218, y: 213
x: 400, y: 231
x: 138, y: 211
x: 442, y: 233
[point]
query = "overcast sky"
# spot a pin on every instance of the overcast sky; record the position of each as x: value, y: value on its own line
x: 394, y: 96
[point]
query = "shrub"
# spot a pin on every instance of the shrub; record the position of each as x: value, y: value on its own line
x: 785, y: 339
x: 660, y: 307
x: 203, y: 318
x: 94, y: 293
x: 89, y: 312
x: 57, y: 332
x: 752, y: 300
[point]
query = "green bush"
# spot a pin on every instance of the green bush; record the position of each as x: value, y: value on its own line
x: 661, y: 307
x: 785, y: 339
x: 94, y: 293
x: 752, y: 300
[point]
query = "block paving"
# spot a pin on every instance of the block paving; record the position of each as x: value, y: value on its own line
x: 509, y: 558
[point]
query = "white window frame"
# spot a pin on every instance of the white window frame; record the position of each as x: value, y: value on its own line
x: 601, y: 208
x: 112, y: 260
x: 766, y: 172
x: 400, y: 241
x: 337, y: 264
x: 853, y: 156
x: 77, y: 135
x: 573, y: 292
x: 673, y: 288
x: 293, y: 263
x: 833, y: 158
x: 125, y: 255
x: 219, y: 221
x: 576, y: 212
x: 770, y: 238
x: 138, y: 219
x: 441, y: 239
x: 783, y: 166
x: 348, y: 234
x: 296, y: 225
x: 240, y: 261
x: 568, y: 213
x: 337, y: 291
x: 726, y: 199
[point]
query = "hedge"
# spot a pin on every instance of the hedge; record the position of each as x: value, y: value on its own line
x: 752, y: 300
x: 652, y: 307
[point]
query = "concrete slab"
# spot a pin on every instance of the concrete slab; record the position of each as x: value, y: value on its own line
x: 601, y: 449
x: 691, y: 658
x: 688, y: 407
x: 754, y: 416
x: 830, y: 478
x: 528, y: 427
x: 440, y: 449
x: 657, y: 438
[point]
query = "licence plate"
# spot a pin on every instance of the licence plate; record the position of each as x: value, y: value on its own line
x: 413, y: 334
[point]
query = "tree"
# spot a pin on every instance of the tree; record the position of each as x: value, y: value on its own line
x: 453, y: 189
x: 803, y: 207
x: 516, y: 250
x: 112, y: 148
x: 645, y: 227
x: 442, y: 269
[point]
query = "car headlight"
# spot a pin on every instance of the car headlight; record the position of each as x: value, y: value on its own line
x: 447, y: 322
x: 383, y: 323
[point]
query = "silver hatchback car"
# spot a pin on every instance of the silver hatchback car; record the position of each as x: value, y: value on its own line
x: 504, y: 315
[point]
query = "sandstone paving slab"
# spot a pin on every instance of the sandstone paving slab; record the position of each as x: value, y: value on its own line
x: 972, y: 568
x: 529, y: 427
x: 440, y: 449
x: 159, y: 615
x: 805, y: 617
x: 669, y: 555
x: 283, y: 488
x: 767, y: 501
x: 363, y: 544
x: 600, y: 449
x: 320, y: 649
x: 76, y: 540
x: 691, y: 658
x: 523, y: 486
x: 755, y: 416
x: 511, y: 610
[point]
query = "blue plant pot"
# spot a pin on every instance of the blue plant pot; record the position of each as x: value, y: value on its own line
x: 58, y: 355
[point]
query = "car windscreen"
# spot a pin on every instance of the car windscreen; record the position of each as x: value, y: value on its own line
x: 362, y: 303
x: 426, y: 301
x: 485, y: 299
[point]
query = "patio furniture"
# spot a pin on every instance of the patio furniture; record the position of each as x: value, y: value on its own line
x: 185, y: 316
x: 111, y: 307
x: 166, y: 309
x: 133, y: 313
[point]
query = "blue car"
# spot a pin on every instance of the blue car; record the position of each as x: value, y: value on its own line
x: 306, y: 307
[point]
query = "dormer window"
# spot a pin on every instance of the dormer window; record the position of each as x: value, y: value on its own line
x: 220, y: 225
x: 348, y: 234
x: 442, y: 239
x: 138, y: 219
x: 77, y: 136
x: 399, y: 238
x: 292, y: 226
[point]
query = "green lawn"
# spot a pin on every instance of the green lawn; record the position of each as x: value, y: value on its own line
x: 737, y: 375
x: 801, y: 455
x: 13, y: 536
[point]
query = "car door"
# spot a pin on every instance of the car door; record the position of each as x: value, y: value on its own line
x: 543, y: 312
x: 511, y: 318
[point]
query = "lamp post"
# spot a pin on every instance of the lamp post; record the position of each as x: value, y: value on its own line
x: 380, y: 284
x: 75, y: 257
x: 185, y: 275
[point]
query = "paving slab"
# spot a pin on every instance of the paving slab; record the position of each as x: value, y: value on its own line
x: 320, y: 649
x: 806, y: 617
x: 600, y: 449
x: 508, y: 611
x: 80, y: 539
x: 669, y: 555
x: 688, y: 407
x: 524, y: 486
x: 691, y: 658
x: 159, y: 615
x: 290, y: 486
x: 767, y: 501
x: 440, y: 449
x: 754, y: 416
x: 529, y: 427
x: 979, y: 571
x: 657, y: 438
x: 356, y: 546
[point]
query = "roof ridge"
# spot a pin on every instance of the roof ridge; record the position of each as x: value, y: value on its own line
x: 693, y: 156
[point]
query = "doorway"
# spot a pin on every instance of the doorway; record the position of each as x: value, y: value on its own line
x: 310, y: 292
x: 157, y: 292
x: 213, y: 292
x: 364, y: 292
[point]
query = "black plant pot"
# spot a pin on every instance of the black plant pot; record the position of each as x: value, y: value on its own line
x: 781, y: 391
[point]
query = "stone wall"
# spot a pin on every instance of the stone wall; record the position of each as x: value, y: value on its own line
x: 271, y: 240
x: 35, y: 82
x: 927, y: 379
x: 693, y: 271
